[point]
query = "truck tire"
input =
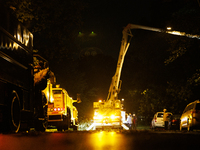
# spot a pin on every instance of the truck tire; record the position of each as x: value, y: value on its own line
x: 14, y: 113
x: 75, y: 128
x: 42, y: 123
x: 67, y: 120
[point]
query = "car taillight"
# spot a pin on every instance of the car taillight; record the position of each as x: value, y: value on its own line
x: 155, y: 119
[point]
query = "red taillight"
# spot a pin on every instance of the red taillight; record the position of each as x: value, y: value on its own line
x: 155, y: 119
x: 174, y: 120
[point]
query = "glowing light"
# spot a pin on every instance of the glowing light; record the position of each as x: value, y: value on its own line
x: 112, y: 117
x: 176, y: 33
x: 100, y: 101
x: 98, y: 117
x: 169, y: 28
x: 90, y: 127
x: 103, y: 140
x: 92, y: 33
x: 80, y: 34
x: 57, y: 85
x: 51, y: 99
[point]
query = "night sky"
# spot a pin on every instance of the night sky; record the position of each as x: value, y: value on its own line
x: 108, y: 18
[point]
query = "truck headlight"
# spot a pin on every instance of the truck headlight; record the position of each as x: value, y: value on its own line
x: 112, y: 117
x: 100, y: 117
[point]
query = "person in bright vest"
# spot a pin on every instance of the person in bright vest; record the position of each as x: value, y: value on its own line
x: 130, y: 121
x: 165, y: 119
x: 134, y: 121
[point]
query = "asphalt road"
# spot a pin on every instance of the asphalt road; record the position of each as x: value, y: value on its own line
x: 101, y: 140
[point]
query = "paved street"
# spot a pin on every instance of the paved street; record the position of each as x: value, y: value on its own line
x: 102, y: 140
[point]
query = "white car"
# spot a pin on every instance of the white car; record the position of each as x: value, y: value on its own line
x: 190, y: 119
x: 157, y: 120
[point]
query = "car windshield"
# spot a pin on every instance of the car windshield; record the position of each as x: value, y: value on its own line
x: 160, y: 115
x: 198, y: 106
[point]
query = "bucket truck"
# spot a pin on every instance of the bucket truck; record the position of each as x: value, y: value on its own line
x: 109, y: 113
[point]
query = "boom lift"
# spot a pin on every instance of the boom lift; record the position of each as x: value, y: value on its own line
x: 109, y: 113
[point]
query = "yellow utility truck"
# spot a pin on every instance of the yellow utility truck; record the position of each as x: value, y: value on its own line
x: 61, y: 111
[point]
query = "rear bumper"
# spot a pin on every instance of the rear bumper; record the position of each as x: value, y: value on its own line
x: 55, y: 118
x: 196, y: 123
x: 108, y: 125
x: 159, y: 124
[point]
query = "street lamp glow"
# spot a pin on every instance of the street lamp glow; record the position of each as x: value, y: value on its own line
x: 169, y: 28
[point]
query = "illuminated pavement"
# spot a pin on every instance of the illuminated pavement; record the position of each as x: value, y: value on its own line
x: 105, y: 140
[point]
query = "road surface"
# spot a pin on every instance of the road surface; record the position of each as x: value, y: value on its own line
x: 101, y: 140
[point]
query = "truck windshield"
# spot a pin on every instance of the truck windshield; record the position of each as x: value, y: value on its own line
x: 57, y: 91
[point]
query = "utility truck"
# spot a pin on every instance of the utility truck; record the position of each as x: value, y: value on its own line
x: 21, y: 106
x: 61, y: 111
x: 109, y: 113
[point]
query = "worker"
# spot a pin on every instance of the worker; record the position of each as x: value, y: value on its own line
x: 130, y: 121
x: 165, y: 119
x: 134, y: 121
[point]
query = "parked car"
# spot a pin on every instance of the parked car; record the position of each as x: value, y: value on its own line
x: 190, y: 118
x: 157, y: 120
x: 174, y: 122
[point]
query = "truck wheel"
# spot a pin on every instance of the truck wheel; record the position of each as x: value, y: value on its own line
x: 68, y: 120
x: 75, y: 128
x: 42, y: 123
x: 45, y: 122
x: 181, y: 127
x: 15, y: 113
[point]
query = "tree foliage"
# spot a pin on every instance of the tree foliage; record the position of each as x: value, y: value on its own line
x: 54, y: 24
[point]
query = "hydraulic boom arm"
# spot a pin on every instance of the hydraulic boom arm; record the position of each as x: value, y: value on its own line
x: 127, y: 35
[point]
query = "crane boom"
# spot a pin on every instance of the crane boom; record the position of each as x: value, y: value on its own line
x: 127, y: 35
